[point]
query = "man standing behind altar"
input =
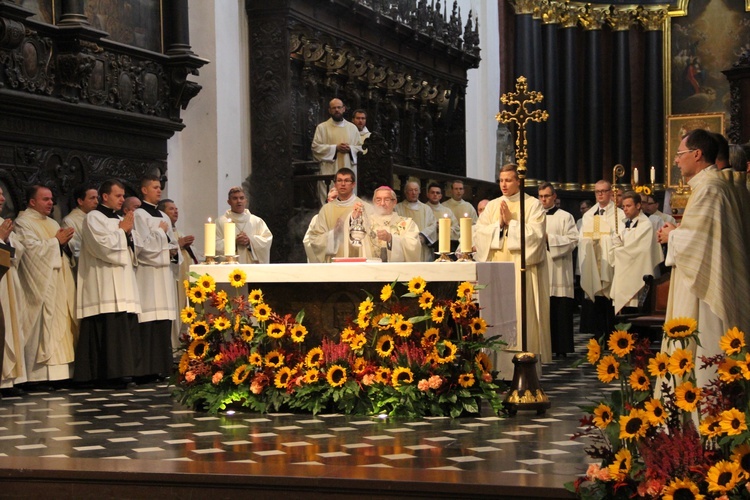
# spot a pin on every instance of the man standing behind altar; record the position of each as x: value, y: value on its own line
x: 253, y: 238
x: 422, y: 215
x: 498, y: 239
x: 434, y: 195
x: 389, y: 236
x: 457, y: 204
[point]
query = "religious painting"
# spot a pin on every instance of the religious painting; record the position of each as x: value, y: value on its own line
x: 132, y: 22
x: 44, y: 10
x: 677, y: 127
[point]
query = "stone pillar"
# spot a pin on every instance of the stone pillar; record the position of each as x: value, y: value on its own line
x: 176, y: 27
x: 569, y: 108
x: 71, y: 13
x: 553, y: 171
x: 621, y: 19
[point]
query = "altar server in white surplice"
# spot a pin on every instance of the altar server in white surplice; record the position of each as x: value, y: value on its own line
x: 562, y: 240
x: 434, y: 195
x: 422, y: 216
x: 457, y: 204
x: 328, y: 234
x: 389, y: 236
x: 107, y: 298
x: 498, y: 239
x: 86, y: 200
x: 156, y: 249
x: 252, y: 237
x: 49, y: 290
x: 634, y: 251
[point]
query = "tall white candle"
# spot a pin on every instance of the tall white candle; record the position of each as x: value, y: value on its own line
x: 209, y: 237
x: 635, y: 175
x: 444, y: 235
x: 653, y: 175
x: 465, y: 238
x: 229, y: 238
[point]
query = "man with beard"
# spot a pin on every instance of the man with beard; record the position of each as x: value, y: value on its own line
x: 253, y: 239
x: 335, y: 145
x: 359, y: 118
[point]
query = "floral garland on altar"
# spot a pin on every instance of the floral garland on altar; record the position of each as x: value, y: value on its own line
x: 415, y: 357
x: 660, y: 435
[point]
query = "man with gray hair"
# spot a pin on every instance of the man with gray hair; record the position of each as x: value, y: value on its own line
x: 422, y: 215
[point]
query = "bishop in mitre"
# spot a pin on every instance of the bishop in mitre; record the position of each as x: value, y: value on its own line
x: 252, y: 236
x: 422, y: 216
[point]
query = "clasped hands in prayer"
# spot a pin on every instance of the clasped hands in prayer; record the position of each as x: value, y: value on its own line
x: 662, y: 235
x: 5, y: 229
x: 505, y: 215
x: 64, y: 235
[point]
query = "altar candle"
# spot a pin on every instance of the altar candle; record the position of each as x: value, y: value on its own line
x: 635, y: 175
x: 209, y: 236
x: 229, y: 236
x: 444, y: 235
x: 466, y: 234
x: 653, y: 175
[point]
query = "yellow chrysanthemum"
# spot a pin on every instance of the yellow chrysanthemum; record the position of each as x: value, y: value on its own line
x: 402, y: 375
x: 366, y: 306
x: 336, y: 376
x: 680, y: 489
x: 733, y: 341
x: 403, y: 328
x: 276, y: 330
x: 710, y: 426
x: 679, y: 328
x: 197, y: 295
x: 603, y: 416
x: 262, y: 312
x: 449, y: 351
x: 255, y: 359
x: 255, y: 297
x: 237, y: 278
x: 687, y: 396
x: 723, y: 476
x: 484, y: 362
x: 241, y: 374
x: 314, y: 357
x: 655, y: 412
x: 438, y: 314
x: 221, y: 323
x: 426, y: 300
x: 197, y: 349
x: 385, y: 346
x: 358, y: 342
x: 347, y: 334
x: 188, y: 315
x: 207, y: 283
x: 478, y: 326
x: 465, y: 290
x: 247, y: 332
x: 729, y: 370
x: 620, y: 468
x: 733, y: 422
x: 386, y: 292
x: 594, y: 351
x: 608, y: 369
x: 298, y: 333
x: 198, y: 330
x: 312, y: 376
x: 466, y: 379
x: 383, y: 376
x: 741, y: 456
x: 681, y: 362
x: 633, y: 425
x: 281, y: 380
x: 658, y: 365
x: 620, y: 343
x: 274, y: 359
x: 638, y: 380
x: 184, y: 362
x: 417, y: 285
x: 430, y: 337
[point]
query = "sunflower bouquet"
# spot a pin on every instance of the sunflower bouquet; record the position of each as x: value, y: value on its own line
x: 660, y: 434
x: 409, y: 355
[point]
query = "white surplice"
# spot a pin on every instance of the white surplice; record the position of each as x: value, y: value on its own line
x: 14, y: 312
x: 461, y: 208
x: 596, y: 269
x: 562, y: 239
x: 259, y: 250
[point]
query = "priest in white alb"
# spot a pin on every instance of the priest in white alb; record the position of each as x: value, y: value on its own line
x: 252, y: 237
x: 457, y: 204
x: 86, y: 200
x: 498, y: 239
x: 422, y: 216
x: 440, y: 211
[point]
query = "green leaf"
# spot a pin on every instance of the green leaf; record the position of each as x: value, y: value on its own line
x: 300, y: 316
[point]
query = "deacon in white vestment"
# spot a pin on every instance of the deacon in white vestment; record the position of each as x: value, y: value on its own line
x: 498, y: 239
x: 434, y: 195
x: 710, y: 279
x: 422, y: 216
x: 389, y: 236
x: 49, y: 290
x: 335, y: 145
x: 156, y: 249
x: 635, y: 253
x: 457, y: 204
x: 252, y: 237
x: 107, y: 295
x: 86, y: 200
x: 359, y: 119
x: 562, y: 240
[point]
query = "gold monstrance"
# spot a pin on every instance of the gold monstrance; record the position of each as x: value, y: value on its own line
x: 525, y: 392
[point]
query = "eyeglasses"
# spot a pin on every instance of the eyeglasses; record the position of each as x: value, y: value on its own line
x: 382, y: 201
x: 602, y: 191
x: 680, y: 153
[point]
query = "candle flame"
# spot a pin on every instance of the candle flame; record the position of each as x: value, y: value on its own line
x: 209, y: 220
x: 445, y: 215
x: 466, y: 215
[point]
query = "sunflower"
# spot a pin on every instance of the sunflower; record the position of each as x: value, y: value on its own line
x: 741, y: 456
x: 199, y: 330
x: 620, y: 468
x: 733, y: 341
x: 680, y: 489
x: 733, y: 422
x: 634, y: 425
x: 255, y: 297
x: 336, y: 376
x: 594, y: 351
x: 312, y: 376
x: 729, y: 370
x: 314, y: 357
x: 247, y: 332
x: 298, y: 333
x: 465, y: 289
x: 723, y: 476
x: 430, y: 337
x: 416, y: 285
x: 184, y: 363
x: 276, y: 330
x: 639, y: 380
x: 394, y: 318
x: 255, y: 359
x: 186, y: 286
x: 608, y: 369
x: 274, y: 359
x: 197, y: 349
x: 237, y: 278
x: 655, y: 412
x: 221, y: 323
x: 478, y: 326
x: 383, y: 376
x: 621, y: 343
x: 197, y: 295
x: 603, y: 416
x: 402, y: 375
x: 484, y: 362
x: 241, y: 374
x: 458, y: 310
x: 710, y: 426
x: 426, y: 300
x: 358, y: 342
x: 281, y: 380
x: 262, y: 312
x: 347, y: 334
x: 366, y: 306
x: 403, y: 328
x: 359, y: 365
x: 187, y: 315
x: 687, y: 396
x: 657, y: 366
x: 450, y: 349
x: 679, y: 328
x: 206, y: 283
x: 438, y: 314
x: 385, y: 346
x: 466, y: 380
x: 681, y: 362
x: 744, y: 364
x: 220, y: 300
x: 381, y: 321
x: 386, y: 292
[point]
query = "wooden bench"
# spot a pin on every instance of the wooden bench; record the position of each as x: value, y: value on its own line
x: 648, y: 321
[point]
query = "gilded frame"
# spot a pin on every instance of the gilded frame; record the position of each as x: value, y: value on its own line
x: 677, y: 127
